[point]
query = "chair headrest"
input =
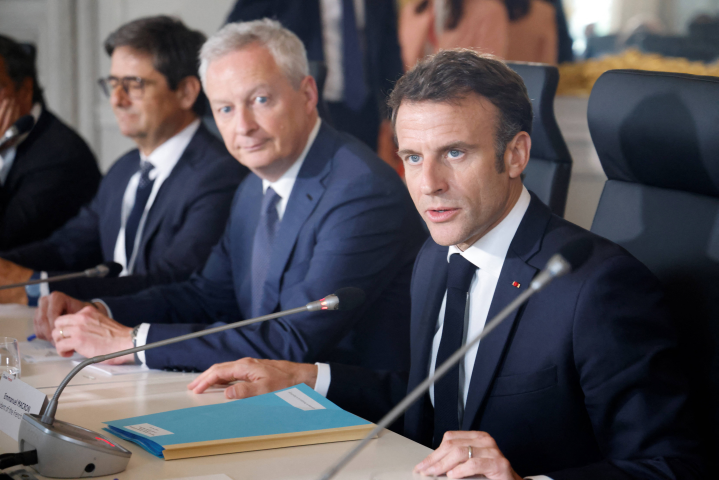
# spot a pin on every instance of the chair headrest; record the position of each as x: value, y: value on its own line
x: 659, y: 129
x: 541, y: 81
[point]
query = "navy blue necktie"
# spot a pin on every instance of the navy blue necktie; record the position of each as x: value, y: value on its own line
x: 262, y: 248
x: 446, y: 390
x: 355, y: 92
x: 144, y: 188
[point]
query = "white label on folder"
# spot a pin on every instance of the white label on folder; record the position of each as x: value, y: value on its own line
x: 296, y: 398
x: 148, y: 430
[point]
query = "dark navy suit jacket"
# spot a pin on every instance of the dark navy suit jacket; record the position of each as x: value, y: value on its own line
x: 184, y: 223
x: 579, y: 383
x: 54, y: 174
x: 349, y: 221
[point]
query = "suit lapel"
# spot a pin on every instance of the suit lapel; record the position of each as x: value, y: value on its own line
x: 491, y: 351
x: 306, y: 194
x: 165, y: 198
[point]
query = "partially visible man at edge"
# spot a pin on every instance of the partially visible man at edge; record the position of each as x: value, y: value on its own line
x: 580, y: 383
x: 319, y: 212
x: 161, y: 207
x: 47, y: 174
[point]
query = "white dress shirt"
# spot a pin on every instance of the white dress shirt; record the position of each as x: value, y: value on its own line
x: 7, y: 156
x: 163, y: 158
x: 282, y: 187
x: 331, y: 13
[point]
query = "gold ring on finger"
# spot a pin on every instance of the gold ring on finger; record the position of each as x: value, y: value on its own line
x: 62, y: 334
x: 470, y: 451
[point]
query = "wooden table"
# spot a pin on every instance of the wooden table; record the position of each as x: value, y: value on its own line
x: 91, y: 399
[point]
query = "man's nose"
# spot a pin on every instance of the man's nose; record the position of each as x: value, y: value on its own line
x: 245, y: 123
x: 118, y: 97
x: 433, y: 180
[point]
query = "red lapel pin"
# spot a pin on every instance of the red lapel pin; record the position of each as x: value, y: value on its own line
x: 516, y: 284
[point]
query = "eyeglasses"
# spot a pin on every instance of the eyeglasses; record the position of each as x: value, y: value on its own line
x: 134, y: 87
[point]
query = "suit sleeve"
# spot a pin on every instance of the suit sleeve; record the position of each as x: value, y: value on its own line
x: 625, y: 355
x: 202, y: 226
x: 73, y: 247
x: 361, y: 241
x: 47, y: 197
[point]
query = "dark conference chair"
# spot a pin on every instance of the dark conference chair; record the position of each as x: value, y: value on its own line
x: 550, y: 165
x: 656, y: 136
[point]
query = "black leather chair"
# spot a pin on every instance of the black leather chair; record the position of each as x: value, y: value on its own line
x: 550, y: 165
x: 657, y: 136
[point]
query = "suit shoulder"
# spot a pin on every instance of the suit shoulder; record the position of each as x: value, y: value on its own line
x: 66, y: 143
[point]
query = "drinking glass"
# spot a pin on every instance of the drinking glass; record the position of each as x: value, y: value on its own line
x: 9, y: 357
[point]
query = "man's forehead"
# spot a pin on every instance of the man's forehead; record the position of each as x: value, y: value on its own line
x: 434, y: 123
x: 244, y: 69
x: 128, y: 58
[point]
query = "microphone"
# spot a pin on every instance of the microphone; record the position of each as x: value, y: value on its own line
x: 109, y: 269
x: 65, y: 450
x: 23, y: 125
x: 570, y: 258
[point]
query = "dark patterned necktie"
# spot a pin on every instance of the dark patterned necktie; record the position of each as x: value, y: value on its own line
x: 355, y: 91
x: 262, y: 247
x: 446, y: 389
x: 144, y: 188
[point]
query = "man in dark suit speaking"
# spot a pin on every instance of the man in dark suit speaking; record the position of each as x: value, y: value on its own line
x: 579, y: 383
x: 319, y: 212
x: 47, y: 174
x: 160, y: 208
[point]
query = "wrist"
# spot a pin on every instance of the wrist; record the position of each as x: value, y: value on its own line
x: 308, y: 375
x: 99, y: 307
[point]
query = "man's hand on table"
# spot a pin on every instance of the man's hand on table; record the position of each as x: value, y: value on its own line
x: 257, y: 377
x: 52, y: 306
x: 90, y: 333
x: 453, y: 458
x: 13, y: 273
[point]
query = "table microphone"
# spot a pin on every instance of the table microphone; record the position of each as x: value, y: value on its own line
x: 569, y: 258
x: 109, y: 269
x: 23, y: 125
x: 65, y: 450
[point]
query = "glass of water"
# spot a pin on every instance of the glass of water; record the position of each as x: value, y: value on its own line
x: 9, y: 357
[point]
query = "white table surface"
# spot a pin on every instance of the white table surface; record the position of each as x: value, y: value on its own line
x: 91, y: 399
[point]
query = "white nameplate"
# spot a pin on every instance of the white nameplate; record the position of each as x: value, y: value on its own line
x: 16, y: 399
x: 296, y: 398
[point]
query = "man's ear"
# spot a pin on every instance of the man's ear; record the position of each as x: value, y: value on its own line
x: 308, y: 87
x: 187, y: 91
x: 516, y: 156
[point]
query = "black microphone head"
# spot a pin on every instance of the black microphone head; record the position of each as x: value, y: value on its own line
x: 115, y: 269
x: 24, y: 124
x: 577, y: 252
x: 350, y: 298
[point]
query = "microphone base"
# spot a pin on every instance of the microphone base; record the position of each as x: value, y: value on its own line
x: 65, y: 450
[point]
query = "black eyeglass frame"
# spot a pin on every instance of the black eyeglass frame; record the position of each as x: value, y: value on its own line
x: 110, y: 83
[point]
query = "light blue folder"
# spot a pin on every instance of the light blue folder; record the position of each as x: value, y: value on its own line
x: 265, y: 421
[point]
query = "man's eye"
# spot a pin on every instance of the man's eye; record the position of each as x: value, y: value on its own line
x: 413, y: 158
x: 261, y: 100
x: 225, y: 109
x: 454, y: 154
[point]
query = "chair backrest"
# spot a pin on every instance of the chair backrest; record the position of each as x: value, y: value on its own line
x: 550, y: 165
x: 657, y: 136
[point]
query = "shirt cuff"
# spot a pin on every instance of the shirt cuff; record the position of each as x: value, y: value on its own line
x: 44, y: 287
x: 537, y: 477
x: 141, y: 340
x: 322, y: 384
x: 101, y: 302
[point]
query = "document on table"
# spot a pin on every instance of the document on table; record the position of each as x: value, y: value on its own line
x: 114, y: 369
x: 41, y: 351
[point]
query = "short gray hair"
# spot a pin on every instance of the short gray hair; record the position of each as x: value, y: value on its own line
x: 286, y: 48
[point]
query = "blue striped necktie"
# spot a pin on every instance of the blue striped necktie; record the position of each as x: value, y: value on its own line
x: 144, y: 188
x: 262, y: 247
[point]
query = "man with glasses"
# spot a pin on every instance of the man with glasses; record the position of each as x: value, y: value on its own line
x: 162, y: 206
x: 39, y: 167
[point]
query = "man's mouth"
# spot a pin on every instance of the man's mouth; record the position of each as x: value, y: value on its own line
x: 441, y: 214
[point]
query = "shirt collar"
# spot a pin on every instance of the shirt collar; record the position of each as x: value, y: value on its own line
x: 283, y: 185
x: 35, y: 112
x: 165, y: 157
x: 488, y: 252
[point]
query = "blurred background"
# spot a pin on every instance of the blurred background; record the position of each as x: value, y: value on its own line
x: 667, y: 35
